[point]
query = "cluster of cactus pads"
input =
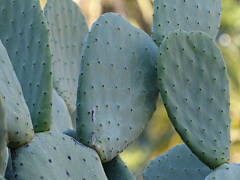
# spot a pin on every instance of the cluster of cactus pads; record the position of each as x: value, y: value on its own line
x: 72, y: 99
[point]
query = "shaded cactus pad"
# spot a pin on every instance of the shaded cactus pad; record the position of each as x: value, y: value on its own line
x: 56, y: 156
x: 118, y: 89
x: 61, y: 120
x: 4, y: 162
x: 68, y: 30
x: 116, y: 169
x: 177, y: 163
x: 1, y: 177
x: 187, y: 15
x: 24, y: 33
x: 225, y: 171
x: 3, y: 139
x: 194, y: 86
x: 19, y: 125
x: 71, y: 133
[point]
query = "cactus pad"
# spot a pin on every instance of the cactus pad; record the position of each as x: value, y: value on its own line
x: 74, y: 117
x: 68, y: 30
x: 24, y: 33
x: 118, y: 89
x: 3, y: 138
x: 19, y: 125
x: 4, y: 163
x: 71, y: 133
x: 54, y: 155
x: 195, y: 90
x: 9, y: 173
x: 61, y: 118
x: 225, y: 171
x: 116, y: 169
x: 177, y: 163
x: 187, y: 15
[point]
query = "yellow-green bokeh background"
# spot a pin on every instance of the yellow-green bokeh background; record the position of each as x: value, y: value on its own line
x: 159, y: 135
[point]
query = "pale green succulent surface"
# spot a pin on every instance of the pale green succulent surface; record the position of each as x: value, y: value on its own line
x: 72, y: 99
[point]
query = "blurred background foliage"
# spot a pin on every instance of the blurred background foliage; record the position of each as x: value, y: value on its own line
x: 159, y: 135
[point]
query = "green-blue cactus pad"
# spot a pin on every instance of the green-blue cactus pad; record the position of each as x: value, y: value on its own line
x: 225, y: 171
x: 68, y: 30
x: 9, y: 173
x: 118, y: 88
x: 3, y: 137
x: 74, y: 117
x: 116, y: 169
x: 54, y: 155
x: 177, y: 163
x: 187, y: 15
x: 195, y: 90
x: 4, y: 163
x: 1, y: 177
x: 61, y: 120
x: 19, y: 125
x: 24, y: 33
x: 71, y: 133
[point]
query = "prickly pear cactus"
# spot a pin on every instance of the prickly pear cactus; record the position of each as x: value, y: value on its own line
x: 3, y: 138
x: 68, y: 30
x: 1, y: 177
x: 9, y: 173
x: 71, y: 133
x: 225, y: 171
x: 53, y: 155
x: 74, y: 118
x: 61, y: 118
x: 177, y: 163
x: 20, y: 129
x: 195, y: 90
x: 117, y: 91
x: 4, y: 163
x: 24, y: 33
x: 116, y: 169
x: 187, y: 15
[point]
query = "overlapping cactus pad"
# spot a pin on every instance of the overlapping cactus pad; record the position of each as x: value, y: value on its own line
x: 188, y: 15
x: 56, y: 156
x: 19, y: 125
x: 4, y: 161
x: 3, y: 139
x: 68, y: 30
x: 71, y: 133
x: 225, y: 171
x: 1, y: 178
x: 61, y: 118
x: 116, y: 169
x: 24, y: 33
x: 194, y: 86
x: 118, y: 88
x: 177, y: 163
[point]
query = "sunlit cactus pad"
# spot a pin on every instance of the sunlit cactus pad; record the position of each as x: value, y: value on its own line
x: 225, y: 171
x: 116, y: 169
x: 24, y: 33
x: 68, y: 30
x: 118, y: 88
x: 195, y: 89
x: 177, y: 163
x: 19, y: 125
x: 61, y: 118
x: 188, y: 15
x: 56, y: 156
